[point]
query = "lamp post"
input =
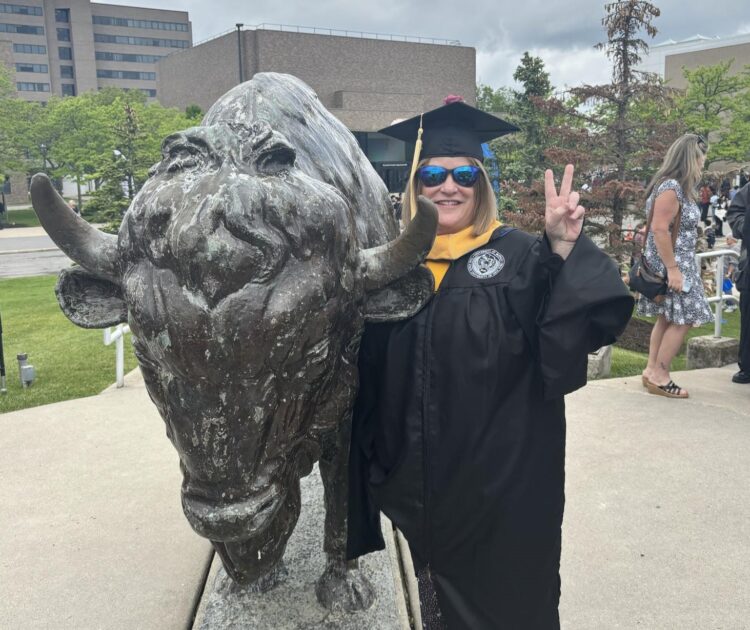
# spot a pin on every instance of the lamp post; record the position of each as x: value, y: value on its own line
x: 3, y: 389
x: 43, y: 150
x: 239, y: 26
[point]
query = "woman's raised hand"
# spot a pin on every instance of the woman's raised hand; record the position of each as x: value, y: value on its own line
x: 563, y: 217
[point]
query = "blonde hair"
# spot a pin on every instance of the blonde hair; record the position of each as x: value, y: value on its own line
x: 682, y: 162
x: 486, y: 204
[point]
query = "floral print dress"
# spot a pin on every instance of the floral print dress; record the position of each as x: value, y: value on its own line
x: 678, y: 308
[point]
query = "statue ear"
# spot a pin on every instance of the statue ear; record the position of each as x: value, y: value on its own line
x: 90, y: 301
x: 402, y: 298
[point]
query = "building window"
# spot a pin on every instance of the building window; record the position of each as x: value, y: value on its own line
x: 23, y: 29
x: 32, y: 87
x: 65, y: 53
x: 149, y: 93
x: 68, y: 89
x: 32, y: 67
x: 126, y: 74
x: 63, y: 34
x: 6, y: 185
x: 62, y: 15
x: 20, y: 9
x: 66, y: 72
x: 128, y: 23
x: 29, y: 49
x: 104, y: 38
x: 110, y: 56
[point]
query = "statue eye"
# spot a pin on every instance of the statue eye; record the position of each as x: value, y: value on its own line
x: 184, y: 150
x: 267, y: 151
x: 183, y: 156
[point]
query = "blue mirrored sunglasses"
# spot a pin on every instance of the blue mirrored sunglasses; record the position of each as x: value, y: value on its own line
x: 465, y: 176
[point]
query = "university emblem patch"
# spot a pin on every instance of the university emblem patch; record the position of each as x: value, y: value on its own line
x: 486, y: 263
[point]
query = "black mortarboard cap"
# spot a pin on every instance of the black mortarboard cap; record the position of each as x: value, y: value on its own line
x: 453, y: 130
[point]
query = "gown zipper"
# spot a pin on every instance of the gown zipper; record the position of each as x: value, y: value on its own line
x: 426, y: 363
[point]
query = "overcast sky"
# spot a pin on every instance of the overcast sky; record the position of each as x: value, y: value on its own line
x: 563, y: 36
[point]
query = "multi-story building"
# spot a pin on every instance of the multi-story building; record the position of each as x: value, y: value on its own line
x: 366, y: 80
x: 66, y: 47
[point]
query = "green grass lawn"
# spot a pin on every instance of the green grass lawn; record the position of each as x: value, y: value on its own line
x: 629, y: 363
x: 25, y: 217
x: 70, y: 362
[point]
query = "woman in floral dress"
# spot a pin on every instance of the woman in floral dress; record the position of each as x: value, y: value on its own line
x: 672, y: 193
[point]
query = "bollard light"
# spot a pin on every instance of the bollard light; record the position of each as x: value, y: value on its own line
x: 26, y: 372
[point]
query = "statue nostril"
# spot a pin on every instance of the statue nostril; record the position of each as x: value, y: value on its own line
x: 157, y: 222
x: 275, y: 158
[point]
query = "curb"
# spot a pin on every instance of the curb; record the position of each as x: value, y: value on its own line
x: 31, y: 251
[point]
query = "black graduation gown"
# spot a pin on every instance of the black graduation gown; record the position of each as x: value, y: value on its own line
x: 459, y: 425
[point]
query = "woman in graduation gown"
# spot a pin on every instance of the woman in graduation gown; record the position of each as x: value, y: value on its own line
x: 459, y: 426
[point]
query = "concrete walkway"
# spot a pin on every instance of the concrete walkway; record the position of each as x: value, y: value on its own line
x: 656, y: 533
x: 29, y: 252
x: 657, y: 523
x: 92, y: 533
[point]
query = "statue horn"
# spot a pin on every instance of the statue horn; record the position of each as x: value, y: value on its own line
x: 94, y: 250
x: 385, y: 263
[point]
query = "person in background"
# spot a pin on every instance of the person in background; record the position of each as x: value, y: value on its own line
x: 671, y: 200
x: 730, y: 270
x: 705, y: 201
x: 736, y: 217
x: 73, y: 206
x: 720, y: 213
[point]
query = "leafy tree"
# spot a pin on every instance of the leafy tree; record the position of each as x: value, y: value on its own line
x: 735, y: 145
x: 15, y: 119
x: 77, y: 132
x: 520, y: 155
x: 109, y: 202
x: 498, y: 101
x: 534, y: 121
x: 615, y: 133
x: 193, y: 112
x: 714, y: 104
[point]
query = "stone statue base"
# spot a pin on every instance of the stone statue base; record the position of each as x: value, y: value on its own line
x: 291, y: 604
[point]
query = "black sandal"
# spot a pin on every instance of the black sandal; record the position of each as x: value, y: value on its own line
x: 670, y: 390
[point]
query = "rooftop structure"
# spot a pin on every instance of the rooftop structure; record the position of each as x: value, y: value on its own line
x: 668, y: 58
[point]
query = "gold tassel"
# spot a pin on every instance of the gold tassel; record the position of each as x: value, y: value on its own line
x: 414, y: 162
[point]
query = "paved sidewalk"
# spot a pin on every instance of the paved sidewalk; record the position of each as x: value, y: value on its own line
x: 10, y: 233
x: 92, y: 533
x: 657, y: 523
x: 656, y: 533
x: 29, y: 252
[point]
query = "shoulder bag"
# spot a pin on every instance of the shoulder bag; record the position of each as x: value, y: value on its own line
x: 642, y: 278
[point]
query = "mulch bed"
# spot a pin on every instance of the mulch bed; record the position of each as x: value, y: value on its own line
x: 636, y: 336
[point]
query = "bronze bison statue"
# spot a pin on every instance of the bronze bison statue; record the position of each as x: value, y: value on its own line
x: 246, y: 267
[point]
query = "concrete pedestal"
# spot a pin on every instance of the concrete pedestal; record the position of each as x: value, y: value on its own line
x: 600, y: 363
x: 705, y: 352
x: 292, y: 604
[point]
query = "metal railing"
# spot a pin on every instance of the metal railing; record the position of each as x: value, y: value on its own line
x: 116, y: 337
x: 315, y: 30
x: 720, y: 296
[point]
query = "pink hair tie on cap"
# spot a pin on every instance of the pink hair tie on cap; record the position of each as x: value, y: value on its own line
x: 453, y: 98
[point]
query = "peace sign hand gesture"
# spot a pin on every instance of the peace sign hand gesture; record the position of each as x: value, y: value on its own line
x: 563, y: 217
